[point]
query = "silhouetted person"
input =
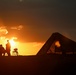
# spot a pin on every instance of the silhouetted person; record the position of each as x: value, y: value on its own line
x: 2, y: 50
x: 8, y: 48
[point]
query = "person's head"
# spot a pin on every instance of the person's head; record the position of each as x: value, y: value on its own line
x: 7, y: 40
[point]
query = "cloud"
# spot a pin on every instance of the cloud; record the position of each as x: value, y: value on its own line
x: 20, y: 27
x: 2, y: 38
x: 3, y: 30
x: 14, y: 38
x: 41, y: 17
x: 17, y: 27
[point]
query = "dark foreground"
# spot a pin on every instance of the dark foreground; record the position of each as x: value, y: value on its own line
x: 38, y: 65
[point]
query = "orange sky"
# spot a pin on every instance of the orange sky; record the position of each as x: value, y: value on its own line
x: 30, y: 48
x: 24, y: 48
x: 33, y: 22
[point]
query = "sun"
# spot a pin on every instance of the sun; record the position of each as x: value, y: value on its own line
x: 12, y: 42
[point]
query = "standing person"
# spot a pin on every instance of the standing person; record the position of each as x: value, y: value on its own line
x: 8, y: 48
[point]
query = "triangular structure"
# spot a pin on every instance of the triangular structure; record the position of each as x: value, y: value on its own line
x: 66, y: 44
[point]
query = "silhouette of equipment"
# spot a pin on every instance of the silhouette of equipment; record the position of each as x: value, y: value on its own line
x: 66, y: 44
x: 15, y: 51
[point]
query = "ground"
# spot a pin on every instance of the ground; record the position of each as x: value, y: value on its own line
x: 38, y: 65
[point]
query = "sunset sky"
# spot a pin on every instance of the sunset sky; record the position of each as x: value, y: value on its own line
x: 31, y: 22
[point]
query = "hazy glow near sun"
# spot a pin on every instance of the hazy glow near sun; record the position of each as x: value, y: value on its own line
x: 30, y: 48
x: 12, y: 42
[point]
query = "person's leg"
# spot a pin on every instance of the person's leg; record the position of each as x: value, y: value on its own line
x: 9, y: 53
x: 0, y: 54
